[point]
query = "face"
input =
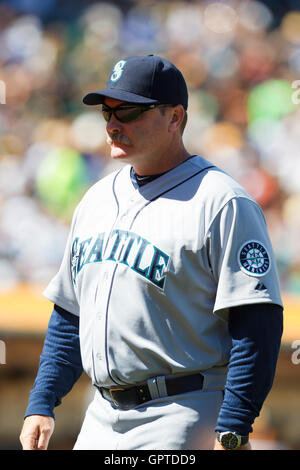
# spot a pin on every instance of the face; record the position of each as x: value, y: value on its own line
x: 140, y: 142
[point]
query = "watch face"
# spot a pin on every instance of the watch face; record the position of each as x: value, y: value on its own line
x: 230, y: 440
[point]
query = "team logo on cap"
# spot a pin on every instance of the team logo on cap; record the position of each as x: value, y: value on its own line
x: 254, y: 259
x: 117, y: 70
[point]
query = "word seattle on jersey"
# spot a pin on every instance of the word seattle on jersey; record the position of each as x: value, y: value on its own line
x: 123, y: 247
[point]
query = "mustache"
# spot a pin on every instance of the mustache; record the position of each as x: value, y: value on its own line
x: 118, y: 139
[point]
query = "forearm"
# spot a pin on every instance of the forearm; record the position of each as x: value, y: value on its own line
x: 256, y: 335
x: 60, y: 364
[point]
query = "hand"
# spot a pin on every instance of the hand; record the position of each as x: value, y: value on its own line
x: 36, y: 432
x: 218, y: 446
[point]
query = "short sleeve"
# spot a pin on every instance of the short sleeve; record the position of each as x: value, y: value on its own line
x: 241, y: 256
x: 60, y: 290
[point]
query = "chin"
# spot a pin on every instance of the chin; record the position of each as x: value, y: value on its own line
x: 118, y: 153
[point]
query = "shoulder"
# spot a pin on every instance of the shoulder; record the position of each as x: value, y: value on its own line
x: 100, y: 188
x: 218, y: 191
x: 103, y: 184
x: 216, y: 185
x: 96, y: 195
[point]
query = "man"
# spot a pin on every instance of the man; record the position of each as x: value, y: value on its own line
x: 170, y: 270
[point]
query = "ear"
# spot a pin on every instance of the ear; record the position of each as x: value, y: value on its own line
x: 176, y: 118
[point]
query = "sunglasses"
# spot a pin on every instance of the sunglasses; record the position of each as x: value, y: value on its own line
x: 128, y: 113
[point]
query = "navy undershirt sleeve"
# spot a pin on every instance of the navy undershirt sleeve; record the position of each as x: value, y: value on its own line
x: 60, y: 364
x: 256, y: 332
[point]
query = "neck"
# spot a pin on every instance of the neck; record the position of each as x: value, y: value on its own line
x: 170, y: 159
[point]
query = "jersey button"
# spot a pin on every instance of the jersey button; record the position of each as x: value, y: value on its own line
x: 98, y: 356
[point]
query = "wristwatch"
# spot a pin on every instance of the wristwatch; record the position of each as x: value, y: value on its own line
x: 231, y: 440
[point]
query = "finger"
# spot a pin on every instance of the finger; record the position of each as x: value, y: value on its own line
x: 43, y: 440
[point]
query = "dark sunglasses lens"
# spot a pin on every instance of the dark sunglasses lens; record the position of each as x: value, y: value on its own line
x: 106, y: 115
x: 123, y: 114
x: 128, y: 114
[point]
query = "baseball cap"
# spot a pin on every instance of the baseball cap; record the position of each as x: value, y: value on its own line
x: 143, y: 80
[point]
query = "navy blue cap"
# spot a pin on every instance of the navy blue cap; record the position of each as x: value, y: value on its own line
x: 143, y: 80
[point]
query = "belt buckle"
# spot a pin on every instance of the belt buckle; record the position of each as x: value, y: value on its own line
x: 111, y: 391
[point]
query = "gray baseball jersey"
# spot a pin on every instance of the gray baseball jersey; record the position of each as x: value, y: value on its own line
x: 152, y: 272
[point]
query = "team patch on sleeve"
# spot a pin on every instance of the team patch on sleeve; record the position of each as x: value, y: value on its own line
x: 254, y: 259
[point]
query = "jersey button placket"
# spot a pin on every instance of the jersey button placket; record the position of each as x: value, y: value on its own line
x: 99, y: 316
x: 123, y: 222
x: 99, y: 333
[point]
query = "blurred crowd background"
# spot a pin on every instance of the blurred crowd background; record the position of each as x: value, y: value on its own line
x: 241, y: 61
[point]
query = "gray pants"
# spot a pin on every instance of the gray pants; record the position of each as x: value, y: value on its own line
x: 181, y: 422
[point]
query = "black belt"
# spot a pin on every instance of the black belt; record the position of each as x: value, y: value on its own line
x: 126, y: 398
